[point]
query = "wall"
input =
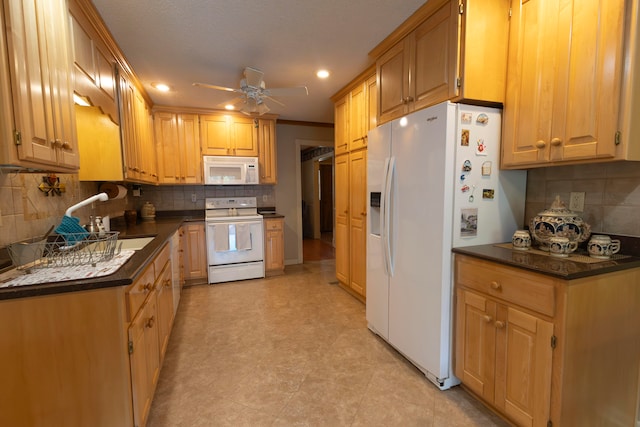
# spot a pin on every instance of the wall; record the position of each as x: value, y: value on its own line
x: 287, y: 190
x: 612, y: 199
x: 26, y: 212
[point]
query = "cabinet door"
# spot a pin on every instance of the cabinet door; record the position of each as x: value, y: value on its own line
x: 127, y: 128
x: 144, y: 359
x: 215, y: 134
x: 434, y: 69
x: 530, y: 82
x: 167, y: 147
x: 475, y: 343
x: 358, y: 117
x: 267, y: 159
x: 143, y: 129
x: 523, y: 366
x: 563, y: 82
x: 392, y: 69
x: 195, y: 255
x: 357, y: 220
x: 189, y: 145
x: 588, y: 81
x: 41, y: 74
x: 342, y: 217
x: 164, y: 308
x: 244, y: 137
x: 274, y: 245
x: 341, y: 117
x: 371, y: 107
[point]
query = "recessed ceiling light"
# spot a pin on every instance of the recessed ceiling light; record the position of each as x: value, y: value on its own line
x: 161, y: 87
x: 229, y: 107
x: 323, y: 74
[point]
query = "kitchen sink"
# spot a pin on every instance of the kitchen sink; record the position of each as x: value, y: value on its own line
x: 134, y: 244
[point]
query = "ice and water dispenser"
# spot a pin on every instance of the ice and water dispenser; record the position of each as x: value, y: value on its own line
x: 374, y: 217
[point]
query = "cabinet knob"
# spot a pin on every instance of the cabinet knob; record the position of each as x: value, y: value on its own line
x: 408, y: 99
x: 363, y: 214
x: 167, y: 283
x: 556, y: 142
x: 499, y: 324
x: 66, y: 145
x: 487, y: 318
x: 150, y: 322
x: 540, y: 144
x: 147, y: 286
x: 496, y: 286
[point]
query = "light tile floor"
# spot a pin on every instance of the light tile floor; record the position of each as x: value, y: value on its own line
x: 293, y: 350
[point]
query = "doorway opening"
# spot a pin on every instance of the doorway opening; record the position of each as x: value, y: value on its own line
x: 317, y: 203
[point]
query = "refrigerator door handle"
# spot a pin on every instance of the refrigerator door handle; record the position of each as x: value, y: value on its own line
x: 390, y: 165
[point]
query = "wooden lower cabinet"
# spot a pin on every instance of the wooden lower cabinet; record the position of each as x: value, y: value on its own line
x: 195, y: 251
x: 144, y: 358
x: 504, y: 356
x: 273, y: 246
x: 86, y: 358
x: 545, y: 351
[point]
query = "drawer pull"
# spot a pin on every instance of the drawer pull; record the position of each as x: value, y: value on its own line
x: 150, y: 322
x: 496, y: 286
x: 487, y: 318
x: 499, y: 324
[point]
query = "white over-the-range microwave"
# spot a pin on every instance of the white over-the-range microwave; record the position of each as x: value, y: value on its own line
x: 230, y: 170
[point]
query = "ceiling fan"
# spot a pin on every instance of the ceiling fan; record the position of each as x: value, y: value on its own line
x: 253, y: 92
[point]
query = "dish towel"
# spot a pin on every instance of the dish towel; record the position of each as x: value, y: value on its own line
x: 221, y: 237
x: 243, y: 237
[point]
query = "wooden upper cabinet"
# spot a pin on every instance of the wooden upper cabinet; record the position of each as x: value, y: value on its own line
x: 358, y: 117
x: 94, y: 66
x: 40, y: 67
x: 177, y: 139
x: 447, y: 50
x: 565, y: 73
x: 136, y: 128
x: 267, y: 157
x: 341, y: 125
x: 228, y: 135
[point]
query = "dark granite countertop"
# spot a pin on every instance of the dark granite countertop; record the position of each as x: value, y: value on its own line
x: 562, y: 268
x: 162, y: 229
x: 269, y: 215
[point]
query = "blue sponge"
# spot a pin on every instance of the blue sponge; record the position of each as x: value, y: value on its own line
x: 71, y: 230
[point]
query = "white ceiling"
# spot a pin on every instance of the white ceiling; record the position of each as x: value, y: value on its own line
x: 211, y: 41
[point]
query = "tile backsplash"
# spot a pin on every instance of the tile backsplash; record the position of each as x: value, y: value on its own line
x: 25, y: 211
x: 180, y: 197
x: 612, y: 194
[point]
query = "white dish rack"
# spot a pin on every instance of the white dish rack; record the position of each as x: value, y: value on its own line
x: 55, y: 251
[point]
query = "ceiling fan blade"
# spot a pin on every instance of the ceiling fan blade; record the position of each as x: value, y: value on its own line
x: 253, y: 76
x: 235, y: 102
x: 228, y: 89
x: 274, y: 100
x: 287, y: 91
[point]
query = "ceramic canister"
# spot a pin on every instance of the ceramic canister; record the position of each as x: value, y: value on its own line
x: 521, y: 240
x: 561, y: 246
x: 602, y: 247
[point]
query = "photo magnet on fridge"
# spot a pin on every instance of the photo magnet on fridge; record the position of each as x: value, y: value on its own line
x: 481, y: 147
x: 488, y: 193
x: 464, y: 138
x: 468, y: 222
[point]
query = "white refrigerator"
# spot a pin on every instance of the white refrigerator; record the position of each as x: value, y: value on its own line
x: 433, y: 183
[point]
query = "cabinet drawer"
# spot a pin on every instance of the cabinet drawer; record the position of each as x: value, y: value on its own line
x: 273, y: 224
x: 137, y: 293
x: 529, y: 290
